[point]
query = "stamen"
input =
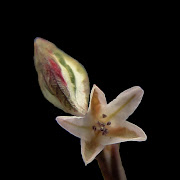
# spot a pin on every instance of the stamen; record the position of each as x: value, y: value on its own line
x: 105, y: 132
x: 104, y: 116
x: 102, y: 128
x: 108, y: 123
x: 100, y: 124
x: 94, y: 128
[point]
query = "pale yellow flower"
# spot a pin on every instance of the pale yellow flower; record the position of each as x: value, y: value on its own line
x: 105, y: 124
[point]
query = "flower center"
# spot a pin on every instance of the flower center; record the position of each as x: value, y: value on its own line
x: 101, y: 127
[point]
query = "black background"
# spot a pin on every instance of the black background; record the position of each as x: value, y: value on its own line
x: 117, y: 54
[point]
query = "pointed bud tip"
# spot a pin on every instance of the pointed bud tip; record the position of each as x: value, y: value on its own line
x: 36, y: 41
x: 39, y: 40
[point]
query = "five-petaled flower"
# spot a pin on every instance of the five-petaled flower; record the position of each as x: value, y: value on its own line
x: 105, y: 124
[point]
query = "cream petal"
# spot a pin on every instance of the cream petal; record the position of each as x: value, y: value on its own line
x: 126, y: 132
x: 89, y: 150
x: 97, y: 101
x: 77, y: 126
x: 124, y: 105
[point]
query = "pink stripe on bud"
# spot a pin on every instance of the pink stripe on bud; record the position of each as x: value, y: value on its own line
x: 57, y: 71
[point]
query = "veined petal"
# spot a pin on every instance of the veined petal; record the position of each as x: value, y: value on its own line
x: 78, y: 126
x: 124, y: 105
x: 89, y: 150
x: 126, y: 132
x: 97, y: 100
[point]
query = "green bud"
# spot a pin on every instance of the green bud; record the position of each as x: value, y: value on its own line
x: 63, y: 80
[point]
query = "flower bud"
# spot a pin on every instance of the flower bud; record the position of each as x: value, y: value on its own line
x: 63, y: 80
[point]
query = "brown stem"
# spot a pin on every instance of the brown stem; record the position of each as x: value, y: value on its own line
x: 109, y: 161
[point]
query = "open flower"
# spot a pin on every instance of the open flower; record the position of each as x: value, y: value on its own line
x: 105, y: 124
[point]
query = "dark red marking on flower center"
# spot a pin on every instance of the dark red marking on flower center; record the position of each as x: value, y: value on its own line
x: 57, y: 71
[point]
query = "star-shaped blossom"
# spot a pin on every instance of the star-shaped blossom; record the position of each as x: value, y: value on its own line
x: 105, y: 124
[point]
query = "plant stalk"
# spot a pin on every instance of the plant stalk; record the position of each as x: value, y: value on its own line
x: 109, y: 162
